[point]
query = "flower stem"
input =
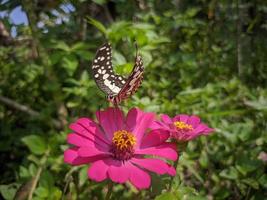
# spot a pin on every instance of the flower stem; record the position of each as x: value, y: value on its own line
x: 108, y: 195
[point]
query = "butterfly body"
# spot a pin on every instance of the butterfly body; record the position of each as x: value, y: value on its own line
x: 117, y: 88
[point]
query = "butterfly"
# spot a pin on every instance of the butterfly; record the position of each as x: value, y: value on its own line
x: 117, y: 88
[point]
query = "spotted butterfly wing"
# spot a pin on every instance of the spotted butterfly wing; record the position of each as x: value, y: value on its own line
x: 104, y: 76
x: 134, y: 80
x: 115, y: 86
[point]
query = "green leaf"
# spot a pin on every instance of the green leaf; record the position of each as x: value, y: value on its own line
x: 158, y: 183
x: 261, y: 104
x: 124, y: 69
x: 263, y: 180
x: 98, y: 25
x: 251, y: 182
x: 83, y: 177
x: 78, y: 46
x: 100, y: 2
x: 246, y: 165
x: 32, y: 170
x: 204, y: 159
x: 166, y: 196
x: 55, y: 194
x: 47, y: 180
x: 230, y: 173
x: 24, y: 172
x: 119, y: 59
x: 62, y: 46
x: 42, y: 192
x: 86, y: 55
x: 35, y: 143
x: 70, y: 63
x: 8, y: 191
x: 56, y: 57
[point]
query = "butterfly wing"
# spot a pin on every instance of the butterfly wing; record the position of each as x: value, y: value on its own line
x: 134, y: 80
x: 103, y: 72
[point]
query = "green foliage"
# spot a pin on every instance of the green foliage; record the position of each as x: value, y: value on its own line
x: 206, y: 58
x: 35, y: 143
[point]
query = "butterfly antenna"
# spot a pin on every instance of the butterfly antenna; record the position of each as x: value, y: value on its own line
x: 136, y: 47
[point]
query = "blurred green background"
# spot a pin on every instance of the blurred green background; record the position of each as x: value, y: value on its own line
x: 203, y: 57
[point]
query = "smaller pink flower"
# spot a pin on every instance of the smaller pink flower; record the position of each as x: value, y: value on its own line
x: 182, y: 127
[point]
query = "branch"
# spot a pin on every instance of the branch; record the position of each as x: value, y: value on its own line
x: 239, y: 56
x: 38, y: 174
x: 5, y: 37
x: 108, y: 15
x: 26, y: 109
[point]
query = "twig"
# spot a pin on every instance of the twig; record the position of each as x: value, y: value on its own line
x: 239, y: 58
x: 248, y: 192
x: 38, y: 174
x: 68, y: 178
x: 108, y: 15
x: 26, y: 109
x: 18, y: 106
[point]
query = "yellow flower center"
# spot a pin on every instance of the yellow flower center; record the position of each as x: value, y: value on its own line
x: 123, y: 140
x: 183, y: 126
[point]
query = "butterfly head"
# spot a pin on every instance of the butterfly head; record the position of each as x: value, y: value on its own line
x: 114, y: 99
x: 110, y: 98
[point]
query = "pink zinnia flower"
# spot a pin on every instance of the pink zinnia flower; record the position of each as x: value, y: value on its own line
x: 119, y: 148
x: 182, y: 127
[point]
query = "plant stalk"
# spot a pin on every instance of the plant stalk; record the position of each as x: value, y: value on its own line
x: 108, y: 195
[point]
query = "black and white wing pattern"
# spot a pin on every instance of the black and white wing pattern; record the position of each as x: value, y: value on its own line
x: 115, y: 86
x: 133, y: 81
x: 104, y: 76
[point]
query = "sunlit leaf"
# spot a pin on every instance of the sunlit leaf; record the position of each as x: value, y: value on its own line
x: 35, y: 143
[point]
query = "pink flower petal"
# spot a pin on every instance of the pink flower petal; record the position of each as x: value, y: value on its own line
x: 98, y: 171
x: 111, y: 120
x: 166, y: 119
x: 80, y: 130
x: 71, y: 156
x: 154, y: 138
x: 118, y: 172
x: 152, y: 164
x: 78, y: 140
x: 200, y: 128
x: 159, y: 125
x: 90, y: 151
x: 143, y: 120
x: 208, y: 131
x: 90, y: 126
x: 96, y: 137
x: 139, y: 178
x: 194, y: 121
x: 133, y: 118
x: 171, y: 170
x: 182, y: 118
x: 166, y: 150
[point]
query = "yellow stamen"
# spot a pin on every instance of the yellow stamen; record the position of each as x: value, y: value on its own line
x: 183, y: 126
x: 123, y: 139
